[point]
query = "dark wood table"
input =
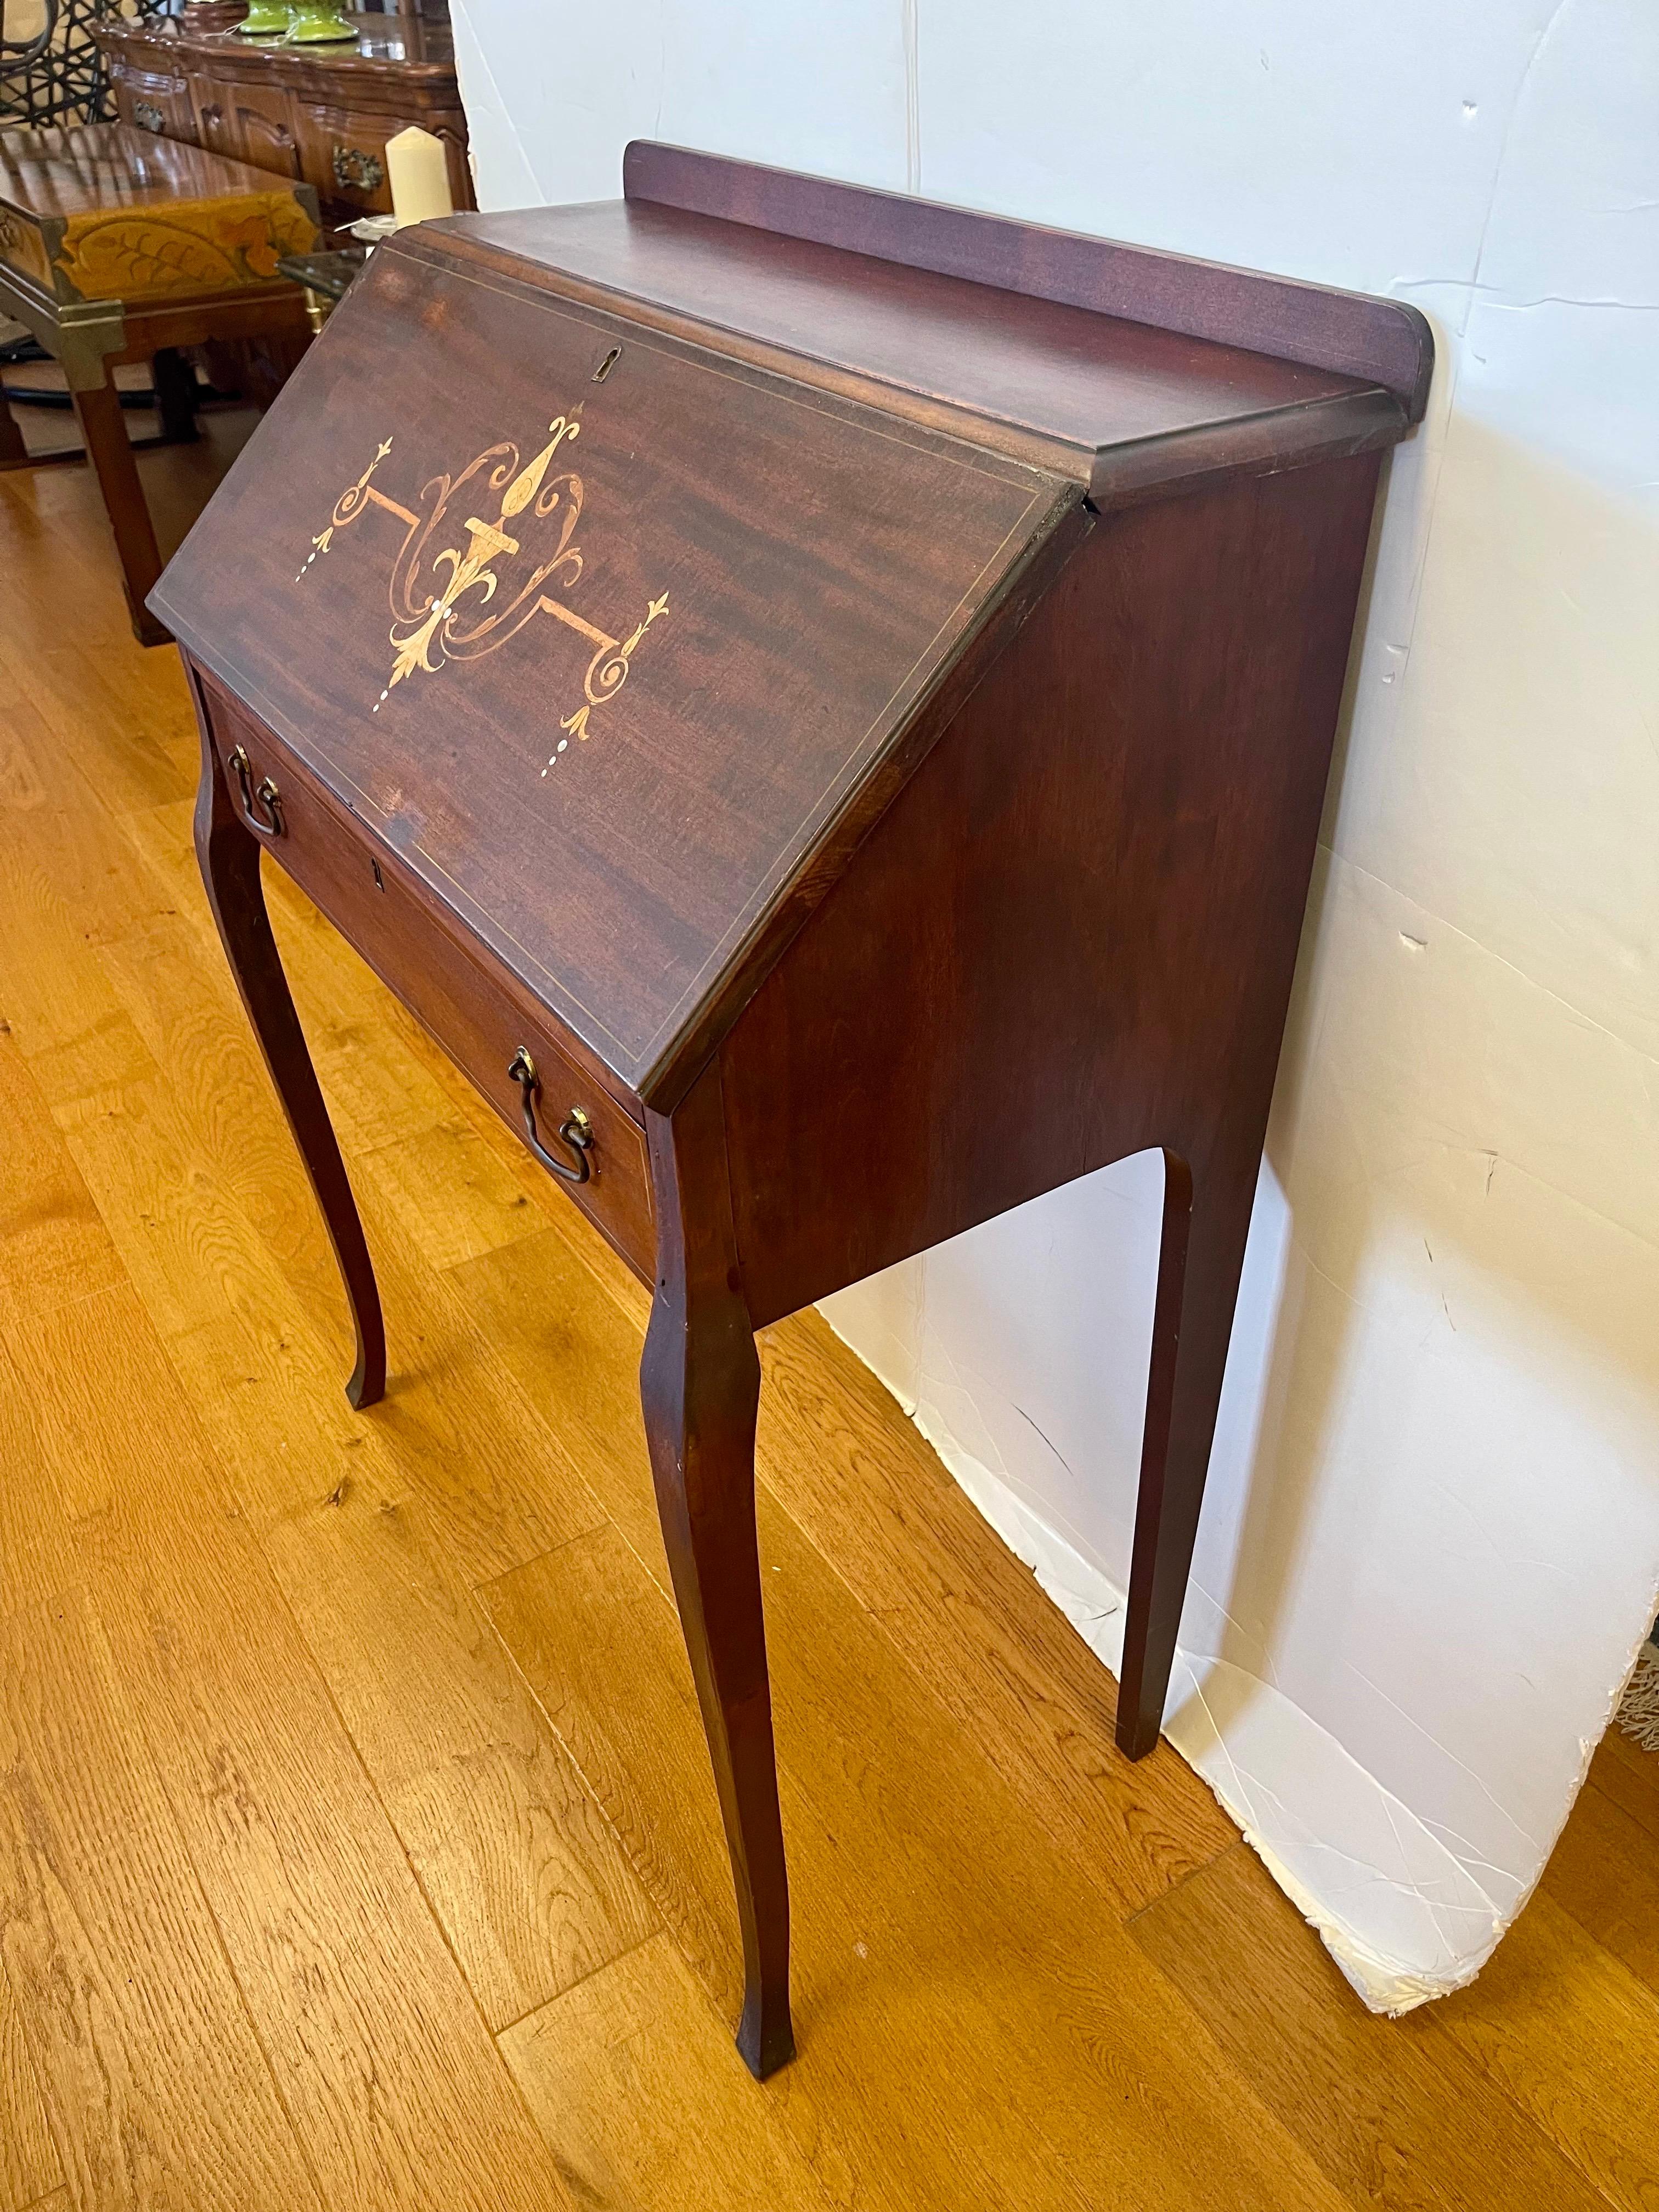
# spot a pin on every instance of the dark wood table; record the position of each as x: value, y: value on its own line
x: 821, y: 703
x: 116, y: 246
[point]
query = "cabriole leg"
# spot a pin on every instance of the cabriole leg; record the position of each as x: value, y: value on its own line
x: 229, y: 858
x: 700, y: 1386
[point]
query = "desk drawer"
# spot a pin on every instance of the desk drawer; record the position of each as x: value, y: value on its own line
x: 479, y: 1015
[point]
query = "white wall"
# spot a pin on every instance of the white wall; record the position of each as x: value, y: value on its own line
x: 1430, y: 1545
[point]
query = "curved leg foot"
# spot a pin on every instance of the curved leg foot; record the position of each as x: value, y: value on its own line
x: 700, y: 1387
x: 229, y: 858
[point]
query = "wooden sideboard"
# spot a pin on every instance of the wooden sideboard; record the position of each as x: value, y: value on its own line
x: 321, y: 114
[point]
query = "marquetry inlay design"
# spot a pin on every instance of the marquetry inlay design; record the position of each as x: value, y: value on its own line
x: 439, y: 597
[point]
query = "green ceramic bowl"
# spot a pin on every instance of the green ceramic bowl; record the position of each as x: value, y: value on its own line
x: 315, y: 24
x: 266, y: 18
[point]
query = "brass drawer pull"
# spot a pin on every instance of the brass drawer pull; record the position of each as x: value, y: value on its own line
x: 355, y: 171
x: 271, y: 823
x: 575, y: 1130
x: 147, y: 116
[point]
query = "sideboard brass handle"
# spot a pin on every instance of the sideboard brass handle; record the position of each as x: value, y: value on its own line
x: 575, y: 1130
x: 271, y: 823
x: 355, y: 171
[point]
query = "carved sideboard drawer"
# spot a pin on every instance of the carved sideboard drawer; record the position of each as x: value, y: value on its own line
x: 348, y: 151
x: 151, y: 101
x: 531, y: 1076
x: 249, y: 122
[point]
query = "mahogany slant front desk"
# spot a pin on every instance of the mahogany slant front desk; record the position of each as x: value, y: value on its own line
x: 821, y: 704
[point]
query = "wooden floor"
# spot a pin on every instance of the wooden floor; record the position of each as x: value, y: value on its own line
x: 357, y: 1847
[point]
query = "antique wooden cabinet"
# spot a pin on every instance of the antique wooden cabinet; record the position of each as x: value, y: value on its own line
x: 322, y: 113
x: 821, y: 703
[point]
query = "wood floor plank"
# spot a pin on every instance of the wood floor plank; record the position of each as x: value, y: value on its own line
x: 196, y: 1035
x: 459, y: 1192
x: 398, y: 2090
x: 30, y: 2167
x: 115, y: 733
x: 1397, y: 2123
x: 496, y: 1476
x: 54, y: 1247
x: 873, y: 1496
x: 262, y: 1337
x: 40, y: 1555
x: 934, y: 1921
x: 263, y: 1370
x: 73, y: 838
x: 870, y: 1492
x: 1573, y: 2037
x: 522, y: 1869
x: 150, y: 2058
x: 594, y: 1633
x: 1622, y: 1770
x: 1604, y: 1872
x: 576, y: 1353
x: 501, y: 1473
x: 631, y: 2075
x: 607, y: 1676
x: 54, y: 998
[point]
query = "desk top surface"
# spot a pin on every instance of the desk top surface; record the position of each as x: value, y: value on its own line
x: 1084, y: 380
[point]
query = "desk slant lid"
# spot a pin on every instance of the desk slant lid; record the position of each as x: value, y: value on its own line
x: 604, y: 661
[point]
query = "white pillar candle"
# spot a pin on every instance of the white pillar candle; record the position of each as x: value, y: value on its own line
x: 417, y: 166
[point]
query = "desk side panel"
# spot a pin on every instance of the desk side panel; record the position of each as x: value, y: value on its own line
x: 1073, y: 935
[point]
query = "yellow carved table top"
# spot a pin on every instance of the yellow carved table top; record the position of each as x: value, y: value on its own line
x: 102, y: 212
